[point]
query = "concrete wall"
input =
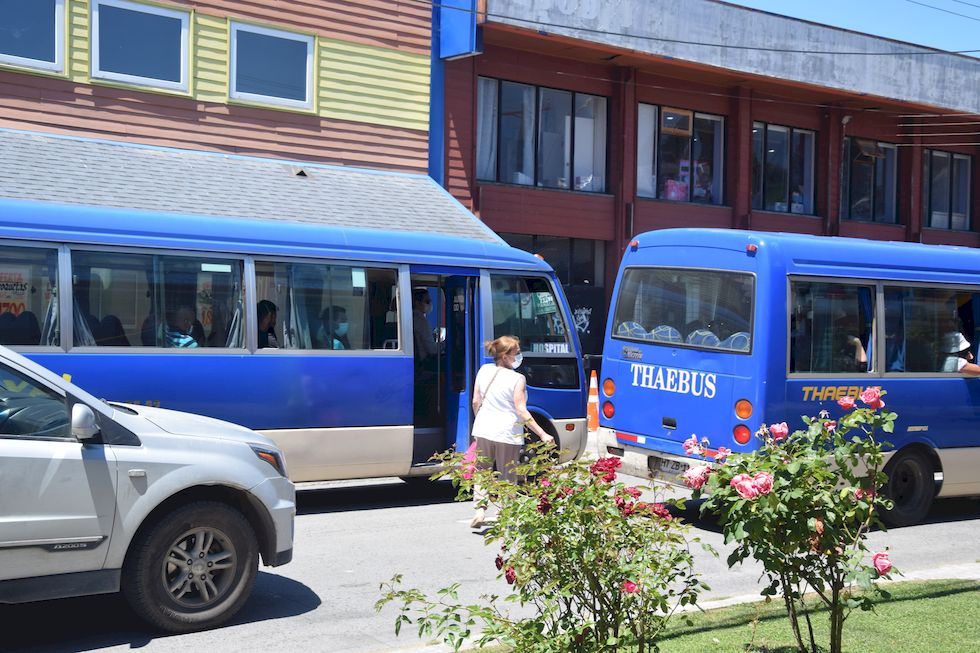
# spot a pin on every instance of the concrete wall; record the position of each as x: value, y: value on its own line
x: 909, y: 73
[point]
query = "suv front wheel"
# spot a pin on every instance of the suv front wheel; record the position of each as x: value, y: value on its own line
x: 193, y: 569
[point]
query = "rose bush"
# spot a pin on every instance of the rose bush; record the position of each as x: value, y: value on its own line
x: 593, y: 566
x: 802, y: 504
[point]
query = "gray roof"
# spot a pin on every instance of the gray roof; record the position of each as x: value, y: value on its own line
x: 70, y: 170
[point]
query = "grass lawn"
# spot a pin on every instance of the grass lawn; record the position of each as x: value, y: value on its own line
x: 932, y: 616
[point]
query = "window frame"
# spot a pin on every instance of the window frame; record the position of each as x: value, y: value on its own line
x: 56, y: 66
x: 661, y: 111
x: 96, y: 71
x: 59, y: 250
x: 67, y: 298
x: 234, y: 27
x: 927, y: 210
x: 791, y: 132
x: 848, y: 173
x: 536, y: 135
x: 402, y: 275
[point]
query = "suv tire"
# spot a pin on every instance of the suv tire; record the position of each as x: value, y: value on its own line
x: 192, y: 569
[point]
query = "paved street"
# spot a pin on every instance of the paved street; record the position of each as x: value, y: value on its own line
x: 350, y: 537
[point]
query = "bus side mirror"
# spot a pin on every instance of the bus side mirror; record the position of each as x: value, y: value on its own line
x: 83, y: 424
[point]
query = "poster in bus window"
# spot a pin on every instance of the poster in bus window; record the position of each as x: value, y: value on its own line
x: 15, y: 289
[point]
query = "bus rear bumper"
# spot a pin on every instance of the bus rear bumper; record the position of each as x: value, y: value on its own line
x: 636, y: 461
x: 572, y: 434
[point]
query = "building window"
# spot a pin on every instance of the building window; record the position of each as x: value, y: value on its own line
x: 271, y: 66
x: 540, y: 136
x: 139, y: 44
x: 946, y: 190
x: 679, y: 155
x: 868, y: 189
x: 32, y: 33
x: 782, y: 169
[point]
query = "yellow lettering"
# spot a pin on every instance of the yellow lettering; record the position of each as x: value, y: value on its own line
x: 826, y: 392
x: 807, y: 389
x: 854, y: 391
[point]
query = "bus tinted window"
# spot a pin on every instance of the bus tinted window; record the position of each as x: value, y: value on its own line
x: 526, y: 307
x: 923, y: 329
x: 701, y: 308
x: 334, y: 307
x: 830, y: 327
x: 151, y: 300
x: 28, y: 297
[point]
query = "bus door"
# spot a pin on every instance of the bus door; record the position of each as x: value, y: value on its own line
x: 444, y: 344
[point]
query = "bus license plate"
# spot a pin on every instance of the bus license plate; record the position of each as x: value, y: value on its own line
x: 665, y: 466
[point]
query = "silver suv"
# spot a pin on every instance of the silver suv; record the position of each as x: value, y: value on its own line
x: 172, y: 508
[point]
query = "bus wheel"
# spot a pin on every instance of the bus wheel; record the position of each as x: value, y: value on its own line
x: 193, y: 569
x: 910, y: 486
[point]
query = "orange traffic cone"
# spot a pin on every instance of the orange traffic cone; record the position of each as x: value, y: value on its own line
x: 594, y: 402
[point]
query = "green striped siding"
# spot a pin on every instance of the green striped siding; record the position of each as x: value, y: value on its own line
x: 355, y: 82
x: 371, y: 84
x: 77, y: 30
x: 210, y: 65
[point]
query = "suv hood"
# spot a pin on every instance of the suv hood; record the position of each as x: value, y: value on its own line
x: 189, y: 424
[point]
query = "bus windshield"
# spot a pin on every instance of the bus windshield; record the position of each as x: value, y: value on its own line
x: 702, y: 309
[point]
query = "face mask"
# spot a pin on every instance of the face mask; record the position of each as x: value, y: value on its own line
x: 341, y: 329
x: 517, y: 361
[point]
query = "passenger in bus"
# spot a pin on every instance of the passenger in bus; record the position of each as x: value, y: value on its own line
x: 849, y: 353
x: 501, y: 414
x: 334, y: 328
x: 266, y: 313
x: 426, y: 347
x: 177, y: 332
x: 959, y: 357
x: 111, y: 333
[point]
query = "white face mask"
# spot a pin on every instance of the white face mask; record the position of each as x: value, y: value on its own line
x: 517, y: 361
x: 341, y: 329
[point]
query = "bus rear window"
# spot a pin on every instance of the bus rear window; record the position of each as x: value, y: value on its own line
x: 705, y: 309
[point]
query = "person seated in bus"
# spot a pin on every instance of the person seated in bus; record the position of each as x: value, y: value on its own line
x: 177, y: 332
x: 849, y: 352
x: 333, y: 330
x: 959, y: 357
x: 266, y: 313
x: 111, y: 333
x: 426, y: 347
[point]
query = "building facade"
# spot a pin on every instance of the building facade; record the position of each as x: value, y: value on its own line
x: 333, y: 81
x: 570, y: 126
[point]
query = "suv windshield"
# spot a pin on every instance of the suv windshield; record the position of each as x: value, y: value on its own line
x: 705, y: 309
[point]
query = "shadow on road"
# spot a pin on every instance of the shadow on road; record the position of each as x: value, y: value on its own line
x: 102, y: 621
x: 369, y: 496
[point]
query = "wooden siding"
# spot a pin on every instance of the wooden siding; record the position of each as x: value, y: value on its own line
x: 78, y: 40
x: 61, y: 106
x: 375, y: 85
x: 402, y: 25
x: 546, y: 212
x: 210, y: 67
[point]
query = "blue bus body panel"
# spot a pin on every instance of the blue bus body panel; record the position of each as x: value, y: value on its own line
x: 938, y: 411
x: 260, y: 391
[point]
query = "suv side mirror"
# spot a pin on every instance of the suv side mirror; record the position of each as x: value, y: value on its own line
x: 83, y: 424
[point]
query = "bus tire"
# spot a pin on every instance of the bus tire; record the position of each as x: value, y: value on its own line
x: 218, y: 571
x: 910, y: 486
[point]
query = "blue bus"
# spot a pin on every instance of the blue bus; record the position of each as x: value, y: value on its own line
x: 715, y: 332
x: 354, y: 349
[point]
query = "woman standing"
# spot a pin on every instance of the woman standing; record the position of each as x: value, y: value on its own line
x: 500, y: 406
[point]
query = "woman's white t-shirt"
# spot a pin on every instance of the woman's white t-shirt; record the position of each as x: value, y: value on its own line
x: 497, y: 418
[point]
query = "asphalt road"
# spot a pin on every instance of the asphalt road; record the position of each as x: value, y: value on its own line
x: 351, y: 537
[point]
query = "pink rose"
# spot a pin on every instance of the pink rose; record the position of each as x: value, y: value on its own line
x: 723, y: 454
x: 830, y: 425
x: 499, y: 562
x: 762, y: 482
x: 634, y: 492
x: 872, y: 398
x: 691, y: 446
x: 545, y: 483
x: 745, y: 486
x: 881, y: 562
x: 468, y: 474
x: 629, y: 587
x: 779, y: 431
x: 606, y: 467
x: 696, y: 477
x: 510, y: 575
x: 544, y: 504
x: 861, y: 493
x: 846, y: 403
x: 660, y: 510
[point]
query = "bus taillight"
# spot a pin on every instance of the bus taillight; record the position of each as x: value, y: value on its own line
x: 608, y: 410
x: 743, y: 408
x: 742, y: 434
x: 609, y: 387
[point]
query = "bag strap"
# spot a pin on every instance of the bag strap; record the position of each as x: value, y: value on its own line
x: 492, y: 379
